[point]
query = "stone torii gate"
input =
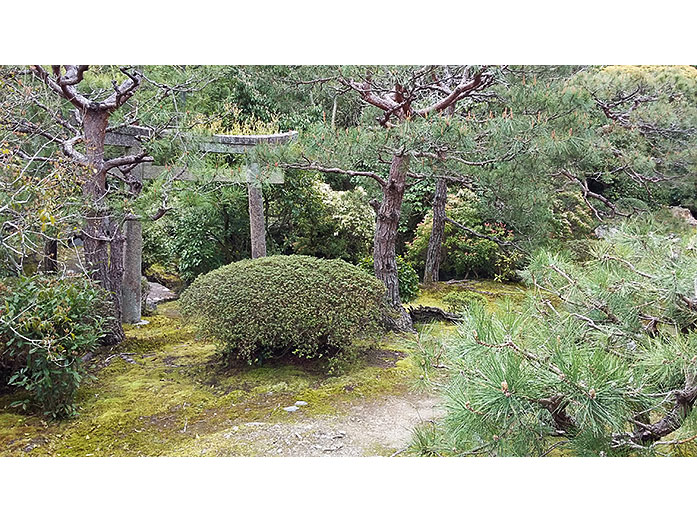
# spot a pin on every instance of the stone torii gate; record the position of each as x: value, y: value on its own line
x: 130, y: 138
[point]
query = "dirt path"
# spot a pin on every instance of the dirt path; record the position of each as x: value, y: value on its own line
x: 379, y: 427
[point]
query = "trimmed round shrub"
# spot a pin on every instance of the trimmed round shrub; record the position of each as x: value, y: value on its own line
x: 46, y: 326
x: 268, y: 307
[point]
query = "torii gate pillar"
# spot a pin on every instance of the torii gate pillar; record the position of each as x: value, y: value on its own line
x: 257, y: 225
x: 227, y: 144
x: 131, y: 289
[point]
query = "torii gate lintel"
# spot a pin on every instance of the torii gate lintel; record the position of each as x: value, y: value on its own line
x: 130, y: 138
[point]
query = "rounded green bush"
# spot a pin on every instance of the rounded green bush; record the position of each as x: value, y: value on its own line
x: 268, y: 307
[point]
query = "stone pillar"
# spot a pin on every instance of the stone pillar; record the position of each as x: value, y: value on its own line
x: 131, y: 289
x: 257, y: 225
x: 132, y: 261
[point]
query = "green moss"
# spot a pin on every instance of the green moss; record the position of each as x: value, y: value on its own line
x: 163, y: 392
x: 492, y: 291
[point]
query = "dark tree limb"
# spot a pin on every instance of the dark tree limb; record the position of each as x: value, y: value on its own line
x: 423, y: 314
x: 646, y: 434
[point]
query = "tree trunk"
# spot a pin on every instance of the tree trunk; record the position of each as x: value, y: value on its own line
x: 100, y: 234
x: 384, y: 254
x: 435, y: 242
x: 50, y: 259
x: 257, y: 227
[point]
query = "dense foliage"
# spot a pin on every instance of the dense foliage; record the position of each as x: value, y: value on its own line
x: 268, y: 307
x: 600, y: 360
x: 464, y: 255
x: 46, y: 326
x: 210, y: 228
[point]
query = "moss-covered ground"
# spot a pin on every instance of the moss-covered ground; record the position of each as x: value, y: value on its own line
x: 163, y: 391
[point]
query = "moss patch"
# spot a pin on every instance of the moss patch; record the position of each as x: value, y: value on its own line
x: 492, y: 291
x: 164, y: 392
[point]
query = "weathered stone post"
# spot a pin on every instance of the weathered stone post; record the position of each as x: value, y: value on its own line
x: 132, y: 261
x: 257, y: 225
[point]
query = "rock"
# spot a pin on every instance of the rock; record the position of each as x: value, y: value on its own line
x: 290, y: 409
x: 158, y: 293
x: 300, y: 403
x: 684, y: 214
x: 605, y: 232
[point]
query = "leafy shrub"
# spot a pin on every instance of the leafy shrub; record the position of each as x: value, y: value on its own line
x: 158, y: 243
x: 464, y: 255
x: 195, y: 243
x: 332, y: 224
x: 303, y: 216
x: 46, y: 326
x: 458, y: 301
x: 267, y: 307
x: 406, y: 275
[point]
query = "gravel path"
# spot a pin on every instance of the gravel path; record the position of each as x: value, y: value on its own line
x: 377, y: 428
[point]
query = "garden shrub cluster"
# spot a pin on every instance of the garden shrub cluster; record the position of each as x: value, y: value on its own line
x: 46, y: 326
x: 463, y: 255
x: 303, y: 215
x: 269, y: 307
x: 406, y: 275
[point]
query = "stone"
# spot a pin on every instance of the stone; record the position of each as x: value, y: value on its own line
x: 290, y: 409
x: 300, y: 403
x: 159, y: 293
x: 605, y: 232
x: 684, y: 214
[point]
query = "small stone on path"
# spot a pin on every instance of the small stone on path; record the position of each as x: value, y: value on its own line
x: 300, y: 403
x: 290, y: 409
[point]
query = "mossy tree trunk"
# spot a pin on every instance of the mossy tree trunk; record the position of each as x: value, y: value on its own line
x: 384, y: 253
x: 102, y: 236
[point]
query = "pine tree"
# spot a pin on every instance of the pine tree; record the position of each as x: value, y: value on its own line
x: 600, y: 358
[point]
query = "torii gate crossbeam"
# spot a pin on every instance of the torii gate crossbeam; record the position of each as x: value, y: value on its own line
x: 130, y: 137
